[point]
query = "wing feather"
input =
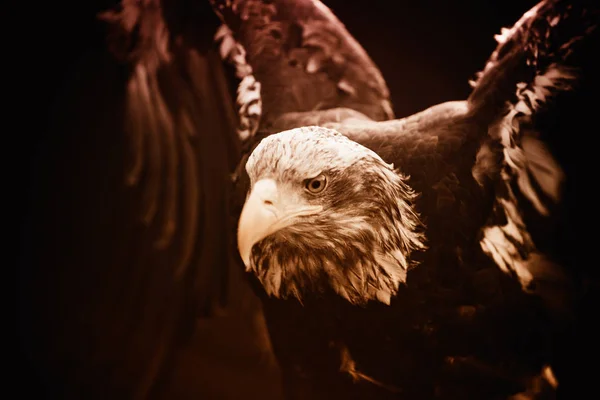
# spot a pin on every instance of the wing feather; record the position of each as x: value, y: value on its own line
x: 538, y: 68
x: 153, y: 169
x: 302, y: 57
x: 133, y: 240
x: 538, y: 94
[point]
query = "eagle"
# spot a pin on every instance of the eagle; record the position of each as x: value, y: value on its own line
x: 432, y: 256
x: 400, y: 258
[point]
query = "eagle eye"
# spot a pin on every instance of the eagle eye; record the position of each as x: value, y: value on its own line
x: 316, y: 185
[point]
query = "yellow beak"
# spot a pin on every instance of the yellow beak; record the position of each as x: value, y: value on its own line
x: 265, y: 212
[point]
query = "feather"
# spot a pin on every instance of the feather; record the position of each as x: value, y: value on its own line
x: 125, y: 292
x: 543, y: 166
x: 154, y: 165
x: 303, y: 42
x: 171, y: 170
x: 136, y: 133
x: 249, y: 100
x: 191, y: 200
x: 348, y: 365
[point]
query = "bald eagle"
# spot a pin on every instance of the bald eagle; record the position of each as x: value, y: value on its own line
x: 401, y: 258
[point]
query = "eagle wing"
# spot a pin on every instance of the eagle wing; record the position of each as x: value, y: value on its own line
x: 302, y: 58
x: 130, y: 240
x: 534, y: 93
x: 539, y: 93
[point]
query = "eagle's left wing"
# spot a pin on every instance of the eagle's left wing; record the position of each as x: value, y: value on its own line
x: 536, y: 98
x: 538, y: 92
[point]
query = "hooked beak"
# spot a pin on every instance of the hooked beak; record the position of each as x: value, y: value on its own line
x: 266, y: 211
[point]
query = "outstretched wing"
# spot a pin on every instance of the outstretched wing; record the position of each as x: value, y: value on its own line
x: 303, y: 60
x: 132, y: 244
x: 536, y: 93
x: 171, y: 74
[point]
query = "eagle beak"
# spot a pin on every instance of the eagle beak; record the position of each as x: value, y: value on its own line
x: 266, y: 211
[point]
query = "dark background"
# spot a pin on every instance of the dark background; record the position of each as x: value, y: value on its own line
x: 427, y: 51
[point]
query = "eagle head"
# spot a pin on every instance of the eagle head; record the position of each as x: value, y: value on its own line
x: 326, y: 212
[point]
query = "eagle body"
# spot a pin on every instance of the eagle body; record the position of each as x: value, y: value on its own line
x: 431, y: 342
x: 449, y: 330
